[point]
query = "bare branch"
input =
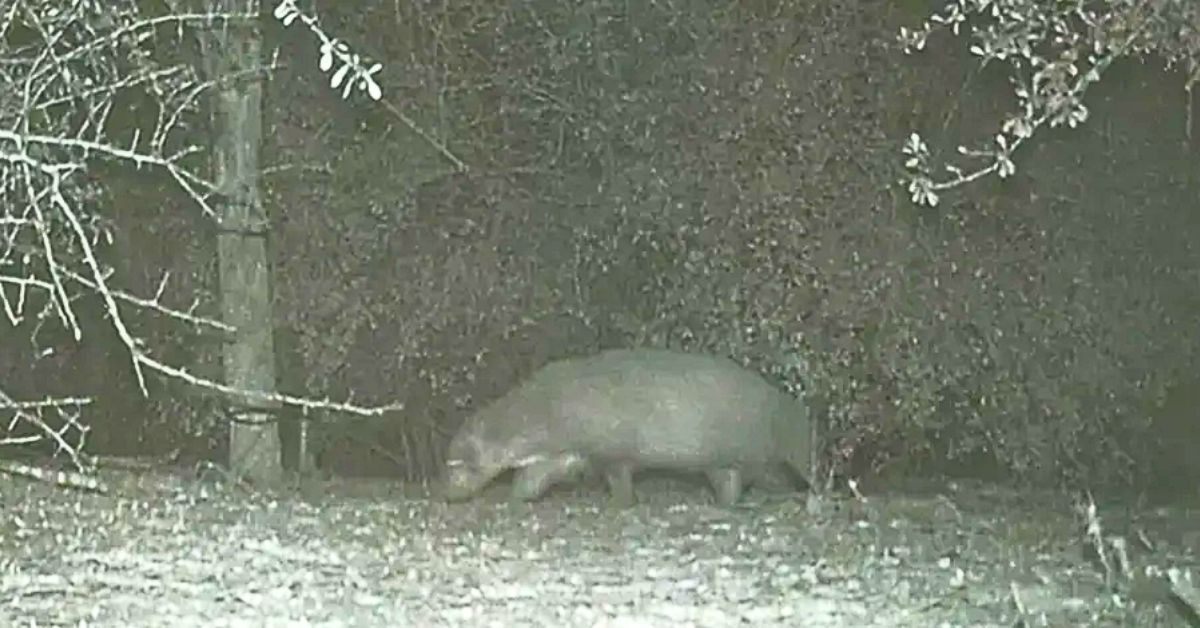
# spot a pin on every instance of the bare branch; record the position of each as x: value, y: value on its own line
x: 1056, y: 52
x: 266, y: 397
x: 61, y: 81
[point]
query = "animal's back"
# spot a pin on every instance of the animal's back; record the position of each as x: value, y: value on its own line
x: 672, y: 409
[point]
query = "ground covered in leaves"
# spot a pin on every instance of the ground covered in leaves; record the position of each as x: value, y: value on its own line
x: 163, y: 549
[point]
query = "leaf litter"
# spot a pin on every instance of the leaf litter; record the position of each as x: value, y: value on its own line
x: 160, y: 549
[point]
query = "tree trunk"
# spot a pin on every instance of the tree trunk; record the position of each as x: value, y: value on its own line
x: 232, y: 50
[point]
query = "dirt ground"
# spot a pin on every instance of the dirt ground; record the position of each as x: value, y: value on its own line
x: 165, y: 548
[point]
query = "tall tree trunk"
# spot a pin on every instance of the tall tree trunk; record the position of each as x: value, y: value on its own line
x: 232, y: 52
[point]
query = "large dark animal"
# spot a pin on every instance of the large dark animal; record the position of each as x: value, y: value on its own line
x: 625, y: 410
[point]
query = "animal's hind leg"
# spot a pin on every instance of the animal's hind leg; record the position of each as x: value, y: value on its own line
x: 727, y: 485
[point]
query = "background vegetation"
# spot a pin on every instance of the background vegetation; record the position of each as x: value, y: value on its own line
x: 709, y: 176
